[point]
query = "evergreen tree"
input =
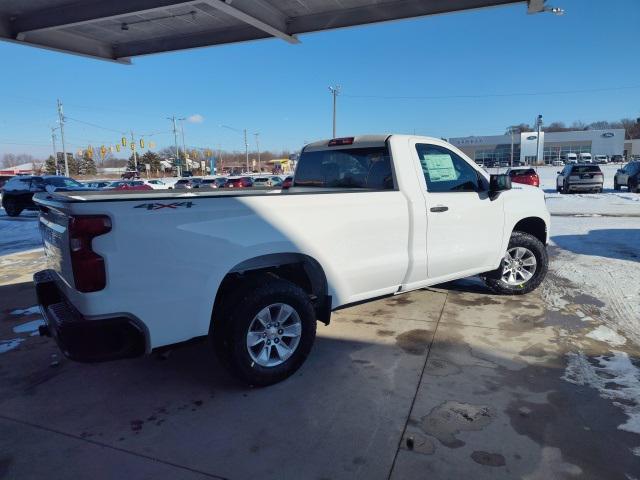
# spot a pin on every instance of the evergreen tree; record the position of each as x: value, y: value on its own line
x: 50, y: 165
x: 153, y: 159
x: 87, y: 166
x: 131, y: 164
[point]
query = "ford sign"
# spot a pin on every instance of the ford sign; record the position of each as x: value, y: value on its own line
x: 608, y: 134
x: 532, y: 137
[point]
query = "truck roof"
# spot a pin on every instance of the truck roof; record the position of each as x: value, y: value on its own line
x: 360, y: 141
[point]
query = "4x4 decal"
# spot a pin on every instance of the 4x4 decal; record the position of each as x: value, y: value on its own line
x: 159, y: 206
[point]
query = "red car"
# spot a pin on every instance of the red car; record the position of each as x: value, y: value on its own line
x: 287, y: 183
x: 240, y: 182
x: 527, y: 176
x: 130, y: 185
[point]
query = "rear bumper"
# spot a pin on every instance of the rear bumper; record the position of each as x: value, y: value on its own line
x: 585, y: 186
x: 79, y: 338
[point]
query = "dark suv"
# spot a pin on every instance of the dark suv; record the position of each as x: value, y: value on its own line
x: 17, y: 194
x: 628, y: 176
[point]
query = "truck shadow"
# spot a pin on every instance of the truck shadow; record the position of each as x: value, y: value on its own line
x: 621, y: 244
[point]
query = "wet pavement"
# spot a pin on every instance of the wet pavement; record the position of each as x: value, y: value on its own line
x: 442, y: 383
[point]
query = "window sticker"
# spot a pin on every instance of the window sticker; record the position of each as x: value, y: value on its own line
x: 439, y: 166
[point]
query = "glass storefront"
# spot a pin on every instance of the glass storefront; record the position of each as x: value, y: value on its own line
x: 555, y: 152
x: 500, y: 153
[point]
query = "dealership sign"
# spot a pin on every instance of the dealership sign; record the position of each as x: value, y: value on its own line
x: 608, y: 134
x: 532, y: 137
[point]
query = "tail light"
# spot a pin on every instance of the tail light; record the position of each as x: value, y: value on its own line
x: 88, y: 267
x: 341, y: 141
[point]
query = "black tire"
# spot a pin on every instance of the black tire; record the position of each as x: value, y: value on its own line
x: 632, y: 189
x: 521, y: 239
x: 615, y: 185
x: 565, y: 188
x: 229, y: 336
x: 11, y: 208
x: 558, y: 189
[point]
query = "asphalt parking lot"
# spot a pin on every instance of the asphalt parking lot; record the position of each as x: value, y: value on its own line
x: 449, y: 382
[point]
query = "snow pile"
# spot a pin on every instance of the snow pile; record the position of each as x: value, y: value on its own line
x: 27, y: 311
x: 19, y: 233
x: 615, y: 378
x: 6, y: 345
x: 605, y: 334
x: 29, y: 327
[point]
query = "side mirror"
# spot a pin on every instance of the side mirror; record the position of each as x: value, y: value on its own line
x: 499, y: 183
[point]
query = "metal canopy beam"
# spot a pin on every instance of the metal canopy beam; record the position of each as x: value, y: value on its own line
x: 256, y: 13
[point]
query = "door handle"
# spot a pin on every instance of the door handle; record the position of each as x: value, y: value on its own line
x: 439, y: 208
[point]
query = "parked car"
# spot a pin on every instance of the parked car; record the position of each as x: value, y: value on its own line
x: 156, y: 184
x: 569, y: 158
x: 416, y: 212
x: 617, y: 159
x: 183, y: 184
x: 558, y: 163
x: 628, y: 176
x: 98, y: 184
x: 130, y: 174
x: 580, y: 178
x: 239, y: 182
x: 601, y: 159
x: 187, y: 173
x: 17, y: 193
x: 208, y: 183
x: 585, y: 158
x: 270, y: 181
x: 130, y: 185
x: 195, y: 181
x: 287, y: 183
x: 527, y: 176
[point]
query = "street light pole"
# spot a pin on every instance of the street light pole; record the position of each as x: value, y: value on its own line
x: 257, y: 134
x: 55, y: 150
x: 184, y: 147
x: 538, y: 124
x: 135, y: 152
x: 335, y: 91
x: 246, y: 149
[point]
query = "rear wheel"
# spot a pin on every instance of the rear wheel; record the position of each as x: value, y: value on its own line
x: 615, y: 184
x: 12, y: 208
x: 632, y: 188
x: 268, y: 331
x: 565, y: 188
x: 523, y: 267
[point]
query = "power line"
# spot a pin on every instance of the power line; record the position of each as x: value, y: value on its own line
x: 490, y: 95
x: 119, y: 132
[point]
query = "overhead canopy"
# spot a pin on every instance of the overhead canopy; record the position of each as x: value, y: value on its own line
x: 118, y: 30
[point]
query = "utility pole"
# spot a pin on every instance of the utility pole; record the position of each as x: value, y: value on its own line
x: 55, y: 152
x: 64, y: 149
x: 184, y: 147
x: 246, y: 150
x: 335, y: 91
x: 135, y: 151
x: 257, y: 134
x: 175, y: 139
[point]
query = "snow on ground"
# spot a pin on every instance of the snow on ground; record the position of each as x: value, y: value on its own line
x: 603, y: 334
x: 18, y: 234
x: 615, y: 377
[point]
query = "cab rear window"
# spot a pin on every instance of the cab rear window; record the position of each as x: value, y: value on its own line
x: 368, y: 168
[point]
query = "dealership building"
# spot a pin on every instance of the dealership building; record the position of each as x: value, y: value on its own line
x: 530, y: 150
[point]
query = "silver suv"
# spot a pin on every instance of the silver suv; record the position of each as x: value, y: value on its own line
x: 580, y: 178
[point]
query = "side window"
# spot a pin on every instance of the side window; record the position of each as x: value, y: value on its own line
x: 444, y: 171
x: 17, y: 184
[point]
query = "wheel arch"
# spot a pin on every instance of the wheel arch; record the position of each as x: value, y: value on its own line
x: 298, y: 268
x: 535, y: 226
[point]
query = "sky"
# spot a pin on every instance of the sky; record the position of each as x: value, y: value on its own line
x: 477, y: 64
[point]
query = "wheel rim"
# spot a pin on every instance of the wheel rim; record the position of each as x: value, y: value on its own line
x: 274, y: 335
x: 518, y: 266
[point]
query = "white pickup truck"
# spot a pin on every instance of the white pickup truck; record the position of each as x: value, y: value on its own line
x: 254, y: 269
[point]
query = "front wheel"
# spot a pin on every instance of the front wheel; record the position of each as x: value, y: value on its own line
x: 268, y: 331
x: 523, y: 267
x: 616, y: 186
x: 632, y: 189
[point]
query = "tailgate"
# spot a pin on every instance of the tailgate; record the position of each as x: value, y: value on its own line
x: 53, y: 224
